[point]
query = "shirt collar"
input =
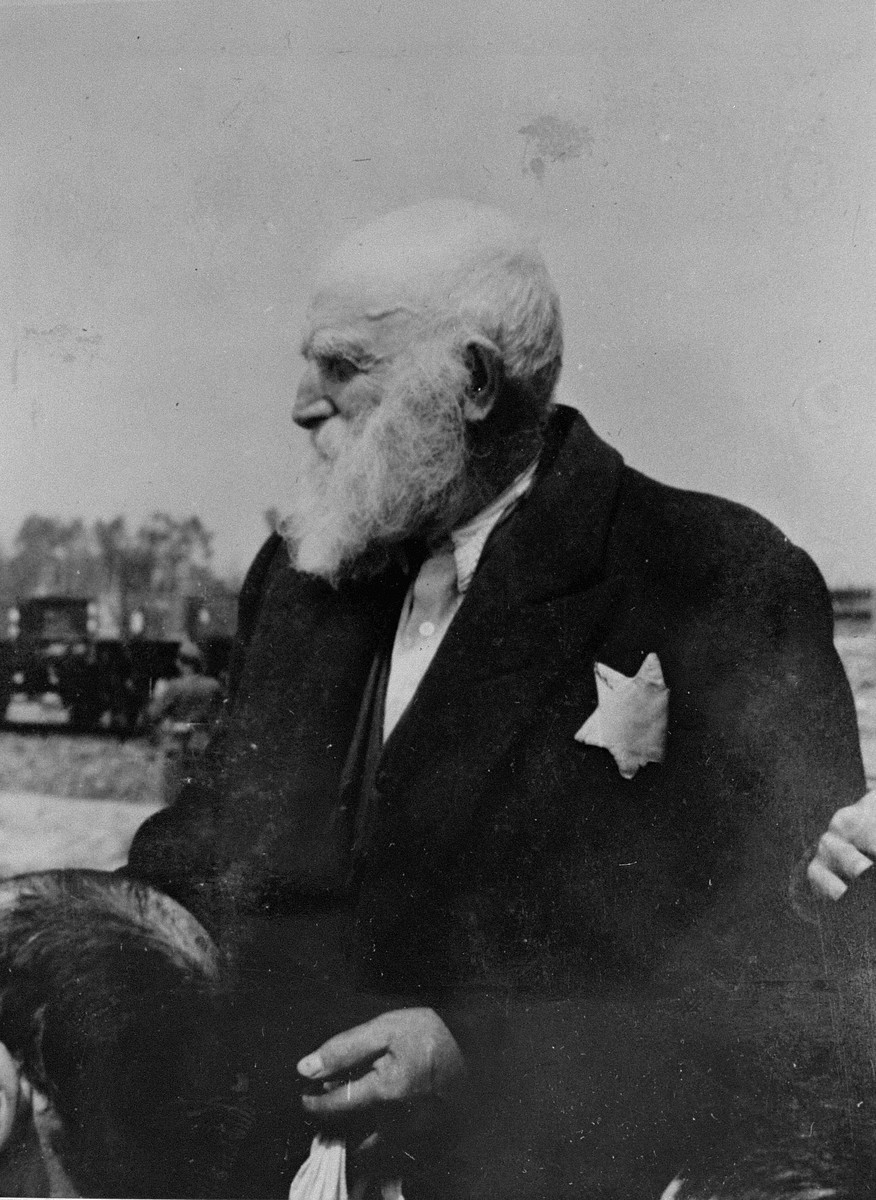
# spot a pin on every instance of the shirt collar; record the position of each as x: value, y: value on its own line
x: 469, y: 539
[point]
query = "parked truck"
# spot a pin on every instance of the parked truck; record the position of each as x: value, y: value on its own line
x: 52, y: 650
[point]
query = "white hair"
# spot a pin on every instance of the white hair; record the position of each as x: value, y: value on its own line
x: 466, y: 270
x: 510, y: 300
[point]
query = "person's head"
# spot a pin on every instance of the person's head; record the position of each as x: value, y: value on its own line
x: 432, y: 348
x: 802, y: 1169
x: 113, y: 1079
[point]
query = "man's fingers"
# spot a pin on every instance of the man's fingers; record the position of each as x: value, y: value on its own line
x: 347, y: 1098
x: 841, y: 857
x: 856, y: 823
x: 824, y: 881
x: 345, y: 1051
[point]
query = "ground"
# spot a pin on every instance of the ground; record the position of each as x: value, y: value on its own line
x: 73, y: 801
x: 70, y: 800
x: 94, y: 768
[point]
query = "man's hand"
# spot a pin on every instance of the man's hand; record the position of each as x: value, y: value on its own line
x: 407, y: 1058
x: 846, y: 850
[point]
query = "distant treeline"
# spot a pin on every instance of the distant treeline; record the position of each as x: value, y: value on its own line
x: 163, y: 560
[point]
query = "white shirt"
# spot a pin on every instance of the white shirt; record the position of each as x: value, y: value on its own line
x: 412, y: 655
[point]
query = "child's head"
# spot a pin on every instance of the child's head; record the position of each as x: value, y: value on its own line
x: 802, y: 1170
x: 113, y: 1072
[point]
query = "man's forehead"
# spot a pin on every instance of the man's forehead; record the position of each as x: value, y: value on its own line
x: 410, y: 258
x: 348, y: 291
x: 357, y: 318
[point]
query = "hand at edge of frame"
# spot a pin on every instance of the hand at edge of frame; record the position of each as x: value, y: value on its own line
x: 846, y: 849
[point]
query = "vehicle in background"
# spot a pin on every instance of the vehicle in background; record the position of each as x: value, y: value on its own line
x: 52, y: 654
x: 852, y: 610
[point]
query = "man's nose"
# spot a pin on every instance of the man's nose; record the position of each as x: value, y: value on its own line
x: 312, y: 406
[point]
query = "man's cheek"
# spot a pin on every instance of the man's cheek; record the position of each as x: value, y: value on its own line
x: 361, y: 397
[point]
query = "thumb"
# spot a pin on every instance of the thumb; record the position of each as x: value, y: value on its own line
x: 345, y: 1051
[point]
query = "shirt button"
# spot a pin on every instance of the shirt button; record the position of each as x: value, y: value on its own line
x: 426, y: 629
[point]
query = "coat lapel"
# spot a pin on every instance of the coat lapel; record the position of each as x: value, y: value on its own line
x: 296, y: 707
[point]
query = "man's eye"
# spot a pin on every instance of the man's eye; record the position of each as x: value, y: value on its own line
x: 339, y: 369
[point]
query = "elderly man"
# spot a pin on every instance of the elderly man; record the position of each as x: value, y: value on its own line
x: 522, y: 753
x: 113, y: 1079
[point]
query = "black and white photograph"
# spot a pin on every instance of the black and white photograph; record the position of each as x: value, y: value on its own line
x: 437, y: 569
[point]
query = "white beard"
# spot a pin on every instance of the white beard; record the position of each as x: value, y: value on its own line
x: 398, y: 470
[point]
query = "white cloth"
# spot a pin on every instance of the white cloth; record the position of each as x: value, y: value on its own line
x: 323, y: 1176
x: 631, y: 716
x: 435, y: 596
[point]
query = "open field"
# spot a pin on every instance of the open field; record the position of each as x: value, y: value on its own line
x: 94, y: 768
x: 73, y: 801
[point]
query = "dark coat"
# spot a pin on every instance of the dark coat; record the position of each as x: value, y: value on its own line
x: 639, y: 935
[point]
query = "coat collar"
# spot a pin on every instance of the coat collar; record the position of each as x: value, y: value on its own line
x: 553, y: 545
x: 469, y: 540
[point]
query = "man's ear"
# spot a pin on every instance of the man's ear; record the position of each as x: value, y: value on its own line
x: 482, y: 391
x: 10, y: 1094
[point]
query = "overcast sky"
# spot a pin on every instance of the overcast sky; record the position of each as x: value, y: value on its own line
x: 700, y: 172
